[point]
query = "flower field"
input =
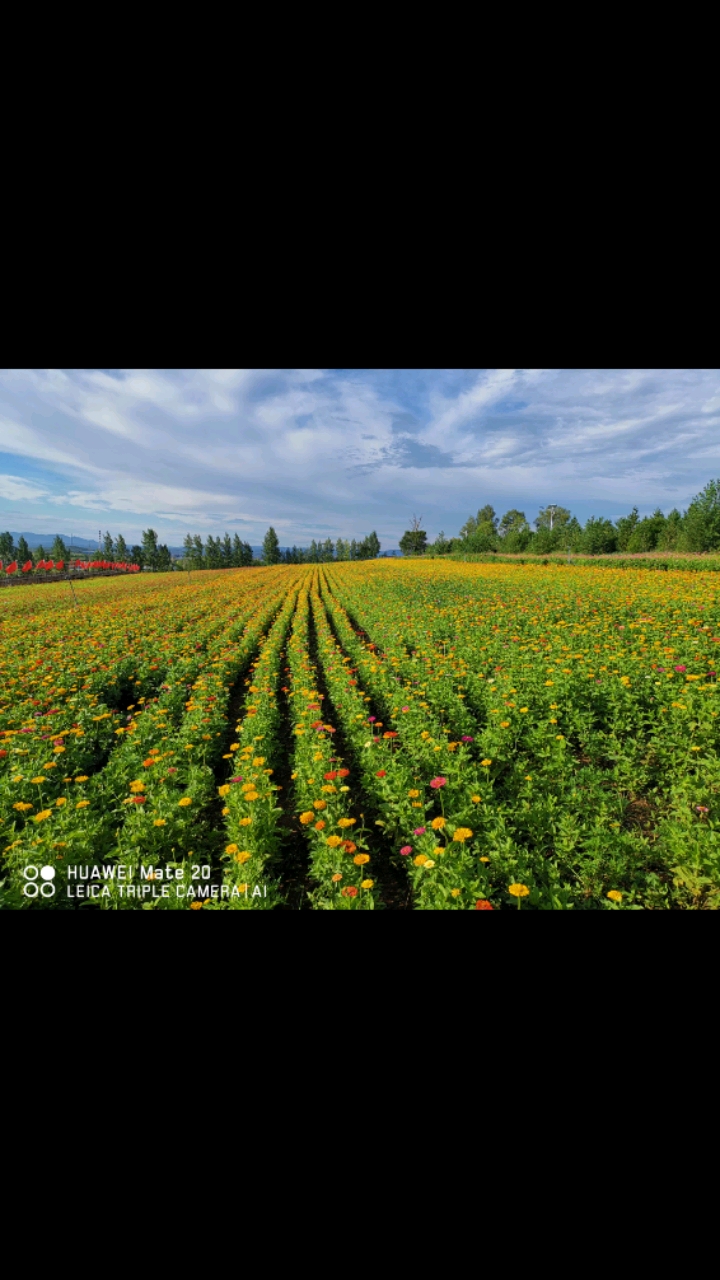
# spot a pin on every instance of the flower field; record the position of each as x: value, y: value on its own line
x: 425, y: 735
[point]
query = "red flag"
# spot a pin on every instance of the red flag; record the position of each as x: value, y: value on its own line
x: 27, y: 566
x: 12, y: 567
x: 60, y: 564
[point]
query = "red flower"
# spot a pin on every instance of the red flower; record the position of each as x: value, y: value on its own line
x: 138, y: 799
x: 3, y: 753
x: 380, y: 773
x: 482, y: 904
x: 27, y: 566
x: 391, y: 734
x: 316, y: 724
x: 12, y: 567
x: 343, y: 773
x: 349, y: 891
x: 330, y: 777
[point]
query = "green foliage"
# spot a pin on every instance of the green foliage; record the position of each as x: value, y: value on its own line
x: 150, y: 549
x: 599, y: 536
x: 58, y: 550
x: 271, y: 547
x: 413, y: 542
x: 23, y: 551
x: 7, y: 548
x: 121, y: 550
x: 701, y: 523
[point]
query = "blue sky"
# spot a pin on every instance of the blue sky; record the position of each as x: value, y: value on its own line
x: 338, y: 452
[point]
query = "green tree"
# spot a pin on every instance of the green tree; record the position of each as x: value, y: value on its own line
x: 625, y: 527
x: 482, y: 538
x: 213, y: 552
x: 342, y: 549
x: 701, y: 522
x: 59, y: 551
x: 369, y: 548
x: 137, y: 556
x: 670, y: 533
x: 599, y: 537
x: 486, y: 515
x: 7, y: 548
x: 413, y: 542
x: 23, y: 551
x: 38, y: 554
x: 271, y: 547
x: 227, y: 551
x: 198, y: 557
x: 646, y: 534
x: 354, y: 550
x: 108, y: 548
x: 121, y: 549
x: 513, y: 521
x: 150, y: 548
x: 552, y: 517
x: 164, y: 559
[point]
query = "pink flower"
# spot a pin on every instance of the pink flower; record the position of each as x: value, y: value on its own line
x: 438, y: 782
x: 659, y: 668
x: 466, y: 738
x: 681, y: 668
x: 419, y: 831
x: 406, y: 849
x: 237, y: 779
x: 406, y: 708
x: 370, y: 719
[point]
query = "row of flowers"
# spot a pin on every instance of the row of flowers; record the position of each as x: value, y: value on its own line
x: 340, y: 860
x: 59, y: 566
x: 147, y: 803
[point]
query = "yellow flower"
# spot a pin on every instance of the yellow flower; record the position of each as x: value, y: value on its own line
x: 159, y: 822
x: 455, y: 893
x: 58, y: 750
x: 188, y: 747
x: 484, y: 859
x: 336, y: 877
x: 21, y: 807
x: 231, y: 848
x: 82, y: 804
x: 528, y: 777
x: 346, y: 822
x: 518, y: 890
x: 307, y: 817
x: 523, y: 710
x: 437, y: 824
x: 553, y: 721
x: 195, y: 906
x: 695, y: 748
x: 225, y: 812
x: 328, y: 788
x: 207, y: 737
x: 319, y: 804
x: 252, y: 795
x: 367, y: 884
x: 424, y: 735
x: 83, y: 778
x: 476, y: 799
x: 42, y: 815
x: 360, y: 859
x: 333, y: 841
x: 462, y: 834
x: 258, y: 761
x: 134, y: 786
x: 38, y: 779
x: 244, y: 822
x: 420, y: 860
x: 413, y: 794
x: 224, y: 789
x: 186, y: 800
x: 615, y: 896
x: 242, y: 856
x: 234, y: 746
x: 60, y: 802
x: 485, y: 763
x: 428, y: 864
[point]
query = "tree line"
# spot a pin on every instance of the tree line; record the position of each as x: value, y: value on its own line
x: 695, y: 530
x: 215, y: 553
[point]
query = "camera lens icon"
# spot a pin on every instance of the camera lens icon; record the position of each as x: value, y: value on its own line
x: 31, y: 888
